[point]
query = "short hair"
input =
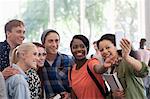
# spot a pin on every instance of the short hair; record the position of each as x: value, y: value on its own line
x: 110, y: 37
x: 83, y: 39
x: 46, y: 32
x: 12, y: 23
x: 142, y: 42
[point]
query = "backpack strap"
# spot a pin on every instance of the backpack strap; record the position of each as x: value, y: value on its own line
x: 70, y: 73
x: 96, y: 82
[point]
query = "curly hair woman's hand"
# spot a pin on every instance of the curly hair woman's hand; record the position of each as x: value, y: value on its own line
x: 126, y: 48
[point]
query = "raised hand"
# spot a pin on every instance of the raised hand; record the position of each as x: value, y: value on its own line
x: 109, y: 61
x: 126, y: 48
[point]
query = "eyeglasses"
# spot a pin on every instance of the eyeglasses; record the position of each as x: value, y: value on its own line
x: 42, y: 54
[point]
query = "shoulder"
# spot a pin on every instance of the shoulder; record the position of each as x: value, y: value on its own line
x: 16, y: 79
x: 67, y: 60
x: 93, y: 60
x: 2, y: 44
x: 66, y: 57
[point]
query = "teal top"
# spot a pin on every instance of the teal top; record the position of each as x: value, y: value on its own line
x: 131, y: 80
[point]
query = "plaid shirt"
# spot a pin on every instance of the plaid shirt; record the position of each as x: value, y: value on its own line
x: 4, y: 55
x: 55, y: 76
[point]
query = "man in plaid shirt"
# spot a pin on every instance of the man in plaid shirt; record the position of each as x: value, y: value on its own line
x: 55, y: 70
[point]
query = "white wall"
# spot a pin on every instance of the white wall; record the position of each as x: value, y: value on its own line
x: 147, y: 21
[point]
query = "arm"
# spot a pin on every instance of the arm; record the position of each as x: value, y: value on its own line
x: 137, y: 65
x: 126, y: 48
x: 102, y: 68
x: 9, y: 71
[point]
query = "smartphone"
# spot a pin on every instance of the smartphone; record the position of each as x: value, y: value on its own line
x: 118, y: 36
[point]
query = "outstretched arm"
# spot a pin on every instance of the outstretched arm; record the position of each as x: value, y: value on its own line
x: 102, y: 67
x: 126, y: 49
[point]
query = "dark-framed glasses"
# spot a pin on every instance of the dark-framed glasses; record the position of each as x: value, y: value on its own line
x: 42, y: 54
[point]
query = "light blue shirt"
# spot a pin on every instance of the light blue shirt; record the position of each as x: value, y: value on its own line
x: 17, y: 86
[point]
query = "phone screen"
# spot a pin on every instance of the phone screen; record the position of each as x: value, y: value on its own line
x: 119, y: 35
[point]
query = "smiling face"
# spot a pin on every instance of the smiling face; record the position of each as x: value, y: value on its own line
x: 107, y: 49
x: 51, y: 44
x: 78, y: 49
x: 42, y: 56
x: 31, y: 57
x: 16, y: 35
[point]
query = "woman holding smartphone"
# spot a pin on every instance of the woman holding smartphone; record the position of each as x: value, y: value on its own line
x: 129, y: 70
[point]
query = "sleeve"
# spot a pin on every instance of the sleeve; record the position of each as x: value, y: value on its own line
x: 128, y: 68
x: 21, y: 90
x: 2, y: 87
x: 143, y: 72
x: 92, y: 62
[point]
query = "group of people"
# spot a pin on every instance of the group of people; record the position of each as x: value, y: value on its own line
x: 39, y: 71
x: 22, y: 64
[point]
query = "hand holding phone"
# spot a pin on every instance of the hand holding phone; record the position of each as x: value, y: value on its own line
x: 119, y: 36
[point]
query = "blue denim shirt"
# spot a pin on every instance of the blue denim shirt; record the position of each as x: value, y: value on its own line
x: 17, y: 86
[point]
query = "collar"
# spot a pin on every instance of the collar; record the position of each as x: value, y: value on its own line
x: 6, y: 43
x: 20, y: 70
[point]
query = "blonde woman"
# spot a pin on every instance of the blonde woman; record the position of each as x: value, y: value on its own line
x: 24, y: 57
x: 35, y: 75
